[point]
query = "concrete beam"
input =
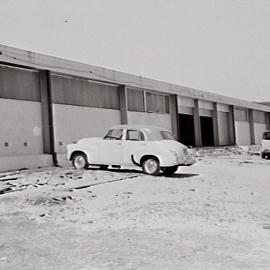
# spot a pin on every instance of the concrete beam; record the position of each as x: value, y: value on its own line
x: 197, y: 124
x: 251, y: 126
x: 123, y: 104
x: 215, y: 125
x: 174, y: 116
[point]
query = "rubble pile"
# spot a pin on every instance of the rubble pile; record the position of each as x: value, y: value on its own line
x: 228, y: 150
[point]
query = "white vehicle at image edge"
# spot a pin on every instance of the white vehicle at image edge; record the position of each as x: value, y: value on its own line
x: 152, y: 148
x: 265, y: 145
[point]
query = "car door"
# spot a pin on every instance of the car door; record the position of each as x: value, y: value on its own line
x: 135, y: 141
x: 110, y: 152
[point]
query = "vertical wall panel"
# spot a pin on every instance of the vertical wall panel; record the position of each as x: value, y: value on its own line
x: 223, y: 128
x: 155, y: 119
x: 135, y: 100
x: 73, y: 123
x: 259, y: 128
x: 242, y: 133
x: 21, y: 128
x: 81, y: 92
x: 18, y: 83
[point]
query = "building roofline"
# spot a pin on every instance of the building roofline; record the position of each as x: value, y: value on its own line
x: 24, y: 58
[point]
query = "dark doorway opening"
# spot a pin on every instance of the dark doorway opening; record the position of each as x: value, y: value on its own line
x: 207, y: 131
x: 186, y: 126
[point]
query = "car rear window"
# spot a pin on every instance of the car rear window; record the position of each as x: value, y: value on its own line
x: 166, y: 135
x: 266, y: 135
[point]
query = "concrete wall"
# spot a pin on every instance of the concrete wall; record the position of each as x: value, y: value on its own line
x: 222, y: 107
x: 223, y: 128
x: 185, y: 110
x: 20, y: 123
x: 73, y: 122
x: 259, y: 128
x: 185, y: 101
x: 242, y: 133
x: 24, y: 162
x: 155, y: 119
x: 206, y: 105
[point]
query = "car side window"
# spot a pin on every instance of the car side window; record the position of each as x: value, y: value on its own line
x: 114, y: 134
x: 134, y: 135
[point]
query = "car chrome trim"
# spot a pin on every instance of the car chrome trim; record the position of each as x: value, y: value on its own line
x: 133, y: 161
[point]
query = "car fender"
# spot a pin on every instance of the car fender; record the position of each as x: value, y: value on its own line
x: 166, y: 158
x: 89, y: 150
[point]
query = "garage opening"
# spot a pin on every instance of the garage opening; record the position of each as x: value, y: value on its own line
x: 186, y: 126
x: 207, y: 131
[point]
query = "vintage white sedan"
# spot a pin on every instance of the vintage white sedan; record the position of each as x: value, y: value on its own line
x: 152, y: 148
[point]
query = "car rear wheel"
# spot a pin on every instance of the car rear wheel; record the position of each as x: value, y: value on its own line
x: 151, y: 166
x: 169, y: 171
x: 79, y: 161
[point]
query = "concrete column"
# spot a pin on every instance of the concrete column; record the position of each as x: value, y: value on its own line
x: 231, y: 125
x: 215, y: 125
x: 251, y: 126
x: 267, y: 116
x: 123, y: 104
x: 47, y: 114
x: 174, y: 116
x: 197, y: 124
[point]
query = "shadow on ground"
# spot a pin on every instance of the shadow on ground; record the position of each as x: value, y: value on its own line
x: 184, y: 175
x: 117, y: 170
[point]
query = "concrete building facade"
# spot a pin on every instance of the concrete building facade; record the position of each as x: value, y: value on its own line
x: 47, y: 103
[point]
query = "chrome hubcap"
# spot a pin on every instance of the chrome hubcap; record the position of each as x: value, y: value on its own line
x: 79, y: 162
x: 151, y: 166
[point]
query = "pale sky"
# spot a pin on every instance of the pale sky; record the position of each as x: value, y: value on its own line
x: 222, y: 46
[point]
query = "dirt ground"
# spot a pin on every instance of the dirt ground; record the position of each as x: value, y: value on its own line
x: 213, y: 215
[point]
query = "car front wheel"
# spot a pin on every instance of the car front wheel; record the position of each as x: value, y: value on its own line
x: 169, y: 171
x: 151, y: 166
x: 79, y: 161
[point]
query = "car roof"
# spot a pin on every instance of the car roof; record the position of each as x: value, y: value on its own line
x: 140, y: 127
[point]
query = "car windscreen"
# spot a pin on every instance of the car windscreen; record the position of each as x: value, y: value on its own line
x: 266, y: 135
x: 114, y: 134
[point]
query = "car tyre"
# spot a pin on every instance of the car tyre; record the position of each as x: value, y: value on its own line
x: 151, y: 166
x: 169, y: 171
x: 79, y: 161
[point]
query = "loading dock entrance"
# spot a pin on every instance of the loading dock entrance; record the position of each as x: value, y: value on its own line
x: 186, y: 126
x: 207, y: 131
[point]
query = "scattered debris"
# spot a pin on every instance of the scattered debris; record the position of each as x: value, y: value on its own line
x: 266, y: 227
x: 8, y: 179
x: 101, y: 183
x: 3, y: 259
